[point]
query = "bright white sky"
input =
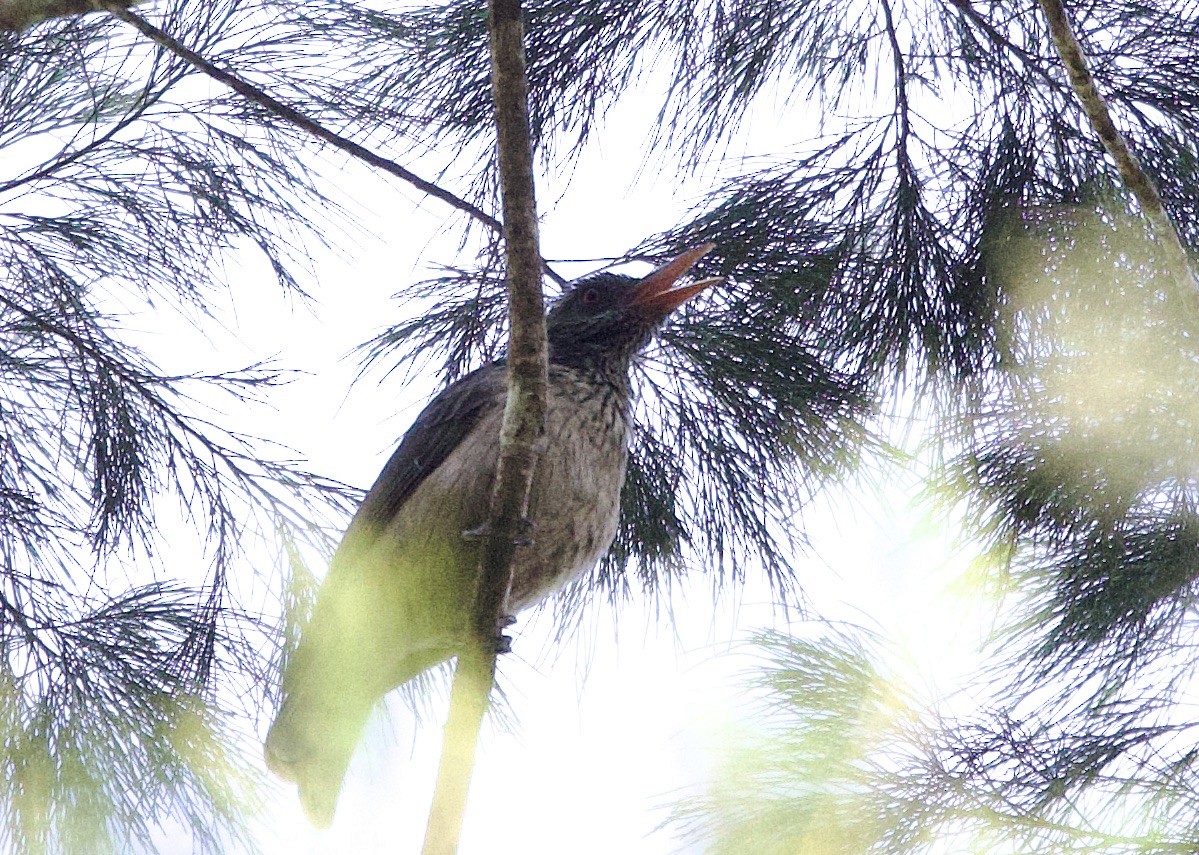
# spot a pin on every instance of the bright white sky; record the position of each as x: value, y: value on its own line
x: 626, y: 715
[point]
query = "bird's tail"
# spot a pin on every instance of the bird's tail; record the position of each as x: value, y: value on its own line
x: 320, y: 723
x: 311, y: 743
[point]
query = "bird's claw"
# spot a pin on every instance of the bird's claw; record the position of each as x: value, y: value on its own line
x: 526, y: 528
x: 478, y: 533
x: 524, y: 533
x: 503, y: 641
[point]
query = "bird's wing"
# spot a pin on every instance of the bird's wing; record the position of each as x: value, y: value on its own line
x: 350, y: 648
x: 437, y: 431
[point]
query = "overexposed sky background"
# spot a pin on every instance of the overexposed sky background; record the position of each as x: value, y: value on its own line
x: 619, y: 720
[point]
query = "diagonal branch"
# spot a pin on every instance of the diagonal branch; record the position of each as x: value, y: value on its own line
x: 1134, y: 175
x: 295, y: 117
x: 16, y: 15
x: 520, y: 436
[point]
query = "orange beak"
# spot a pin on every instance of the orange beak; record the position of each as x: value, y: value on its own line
x: 658, y: 295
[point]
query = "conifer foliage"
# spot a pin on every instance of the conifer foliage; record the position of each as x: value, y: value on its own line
x: 125, y: 662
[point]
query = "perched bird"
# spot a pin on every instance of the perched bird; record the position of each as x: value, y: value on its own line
x: 400, y: 589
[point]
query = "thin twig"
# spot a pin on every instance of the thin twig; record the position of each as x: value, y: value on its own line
x: 290, y: 114
x: 16, y: 15
x: 1030, y: 61
x: 901, y: 83
x: 1134, y: 176
x: 520, y: 435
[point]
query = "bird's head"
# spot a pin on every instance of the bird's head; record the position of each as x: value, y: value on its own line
x: 603, y: 320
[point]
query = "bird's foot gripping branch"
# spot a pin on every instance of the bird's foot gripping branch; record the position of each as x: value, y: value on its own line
x: 525, y: 535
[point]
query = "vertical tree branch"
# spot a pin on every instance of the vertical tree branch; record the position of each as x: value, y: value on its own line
x: 520, y: 436
x: 1134, y: 176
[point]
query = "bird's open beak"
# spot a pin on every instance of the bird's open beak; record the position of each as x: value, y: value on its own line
x: 658, y: 295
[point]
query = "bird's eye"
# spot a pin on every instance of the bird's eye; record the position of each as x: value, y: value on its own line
x: 590, y: 297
